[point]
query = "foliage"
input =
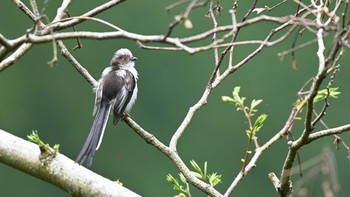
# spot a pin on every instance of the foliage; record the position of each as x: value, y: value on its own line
x: 213, y: 179
x: 47, y: 153
x: 238, y: 101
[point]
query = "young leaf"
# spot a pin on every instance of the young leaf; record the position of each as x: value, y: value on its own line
x: 228, y: 99
x: 236, y: 97
x: 118, y: 182
x: 205, y: 170
x: 259, y: 122
x: 34, y: 137
x: 175, y: 182
x: 323, y: 94
x: 182, y: 178
x: 196, y: 174
x: 180, y: 195
x: 255, y: 103
x: 214, y: 179
x: 196, y: 167
x: 236, y: 91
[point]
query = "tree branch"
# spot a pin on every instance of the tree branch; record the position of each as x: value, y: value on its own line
x: 328, y: 132
x: 258, y: 152
x: 172, y: 154
x: 15, y: 56
x: 60, y: 171
x: 85, y: 73
x: 73, y: 22
x: 285, y: 187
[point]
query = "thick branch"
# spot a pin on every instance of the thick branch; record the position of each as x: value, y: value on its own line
x: 286, y: 189
x: 60, y: 171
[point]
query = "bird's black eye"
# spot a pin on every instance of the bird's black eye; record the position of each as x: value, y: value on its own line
x: 123, y: 57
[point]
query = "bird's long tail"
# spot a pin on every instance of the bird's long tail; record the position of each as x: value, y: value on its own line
x: 94, y: 139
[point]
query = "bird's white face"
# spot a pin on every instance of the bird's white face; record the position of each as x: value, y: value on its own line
x: 122, y: 58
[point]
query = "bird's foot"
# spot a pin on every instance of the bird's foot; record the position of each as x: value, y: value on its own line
x: 125, y: 115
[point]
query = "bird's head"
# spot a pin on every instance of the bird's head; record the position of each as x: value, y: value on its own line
x: 122, y: 57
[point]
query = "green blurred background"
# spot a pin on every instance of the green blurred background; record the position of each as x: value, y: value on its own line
x: 58, y: 102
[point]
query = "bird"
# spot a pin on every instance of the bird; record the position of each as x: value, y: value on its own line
x: 116, y: 92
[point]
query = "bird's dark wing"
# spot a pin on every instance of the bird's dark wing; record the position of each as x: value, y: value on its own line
x: 98, y: 98
x: 118, y: 88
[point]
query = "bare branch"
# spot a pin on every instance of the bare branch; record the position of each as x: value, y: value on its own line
x: 73, y: 22
x: 172, y: 154
x: 318, y: 17
x: 25, y: 10
x: 328, y: 132
x: 85, y: 73
x: 181, y: 129
x: 59, y: 171
x: 34, y: 8
x: 61, y: 11
x: 15, y: 56
x: 181, y: 17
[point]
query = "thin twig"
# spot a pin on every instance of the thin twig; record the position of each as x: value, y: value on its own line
x: 73, y: 22
x: 61, y: 11
x: 173, y: 5
x: 34, y: 8
x: 172, y: 154
x: 76, y: 64
x: 180, y: 18
x: 215, y: 24
x: 327, y: 132
x: 15, y: 56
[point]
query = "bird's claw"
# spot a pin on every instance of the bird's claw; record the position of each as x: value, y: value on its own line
x: 125, y: 115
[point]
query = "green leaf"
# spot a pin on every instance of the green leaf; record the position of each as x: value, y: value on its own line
x: 228, y: 99
x: 171, y: 179
x: 255, y: 103
x: 323, y: 94
x: 236, y: 91
x: 56, y: 148
x: 182, y: 178
x: 236, y: 96
x: 248, y: 132
x: 118, y: 182
x: 196, y: 174
x: 214, y: 179
x: 175, y: 182
x: 259, y: 122
x: 205, y: 170
x: 34, y: 137
x: 44, y: 148
x: 180, y: 195
x: 196, y: 167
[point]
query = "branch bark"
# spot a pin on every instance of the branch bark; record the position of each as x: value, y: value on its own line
x: 60, y: 171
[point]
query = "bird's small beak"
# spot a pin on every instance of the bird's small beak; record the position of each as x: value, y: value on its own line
x: 133, y: 59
